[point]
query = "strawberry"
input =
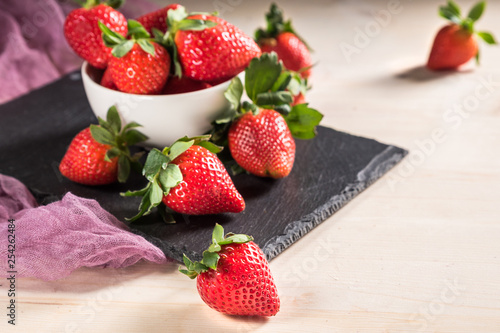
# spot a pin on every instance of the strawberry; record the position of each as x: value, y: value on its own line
x: 99, y: 155
x: 176, y: 85
x: 234, y: 276
x: 455, y: 44
x: 280, y: 37
x: 260, y: 139
x: 138, y: 65
x: 262, y: 144
x: 156, y: 19
x: 107, y: 80
x: 206, y: 47
x: 188, y: 178
x: 84, y: 36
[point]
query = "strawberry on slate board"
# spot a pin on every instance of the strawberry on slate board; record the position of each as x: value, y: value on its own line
x: 455, y: 44
x: 205, y: 47
x: 156, y: 19
x: 99, y: 155
x: 280, y: 37
x: 259, y: 138
x: 83, y: 34
x: 234, y: 276
x: 188, y: 178
x: 138, y: 65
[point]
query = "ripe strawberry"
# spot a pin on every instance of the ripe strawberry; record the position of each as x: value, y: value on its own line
x: 234, y: 276
x: 455, y: 44
x: 189, y: 179
x: 207, y: 48
x: 84, y: 36
x: 99, y: 155
x: 281, y: 38
x: 259, y: 138
x: 107, y: 80
x: 138, y: 65
x: 262, y: 144
x: 183, y: 85
x: 157, y: 19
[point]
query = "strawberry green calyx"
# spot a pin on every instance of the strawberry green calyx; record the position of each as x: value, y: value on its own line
x: 93, y: 3
x: 275, y: 25
x: 121, y: 45
x: 177, y: 19
x: 452, y: 12
x: 268, y: 86
x: 211, y: 256
x: 164, y: 175
x: 111, y: 132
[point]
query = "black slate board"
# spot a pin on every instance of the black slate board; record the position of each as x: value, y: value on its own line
x: 329, y: 171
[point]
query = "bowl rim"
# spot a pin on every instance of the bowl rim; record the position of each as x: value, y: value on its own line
x: 87, y: 77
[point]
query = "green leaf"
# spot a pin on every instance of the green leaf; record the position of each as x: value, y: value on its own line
x: 210, y: 259
x: 102, y: 135
x: 112, y: 153
x: 189, y: 274
x: 195, y: 25
x: 176, y: 15
x: 487, y: 37
x: 130, y: 125
x: 145, y: 206
x: 156, y: 194
x: 187, y: 262
x: 178, y: 148
x: 237, y: 239
x: 450, y: 13
x: 170, y: 177
x: 147, y: 46
x: 133, y: 137
x: 218, y: 233
x: 302, y: 121
x: 137, y: 30
x: 210, y: 146
x: 476, y: 11
x: 261, y: 74
x: 123, y: 168
x: 109, y: 35
x: 273, y: 98
x: 113, y: 119
x: 283, y: 109
x: 454, y: 8
x: 138, y: 193
x: 282, y: 82
x: 234, y: 92
x: 154, y: 163
x: 115, y: 4
x: 123, y: 48
x: 214, y: 247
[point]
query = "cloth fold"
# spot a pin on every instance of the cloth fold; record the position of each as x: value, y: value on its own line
x: 52, y: 241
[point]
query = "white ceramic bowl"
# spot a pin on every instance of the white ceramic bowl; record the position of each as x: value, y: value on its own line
x: 164, y: 118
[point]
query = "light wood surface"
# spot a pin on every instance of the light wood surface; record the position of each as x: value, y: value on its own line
x: 419, y: 251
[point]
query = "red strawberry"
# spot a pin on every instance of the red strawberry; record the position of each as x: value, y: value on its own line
x: 455, y: 44
x: 280, y: 37
x: 188, y: 179
x: 262, y: 144
x: 183, y: 85
x: 234, y: 276
x: 157, y: 19
x: 138, y: 65
x: 207, y: 48
x: 99, y: 155
x: 84, y: 36
x: 107, y: 80
x: 139, y: 72
x: 259, y: 137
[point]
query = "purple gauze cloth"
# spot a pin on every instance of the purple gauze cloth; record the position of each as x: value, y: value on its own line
x: 33, y: 49
x: 52, y: 241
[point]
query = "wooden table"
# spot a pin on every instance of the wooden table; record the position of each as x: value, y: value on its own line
x: 418, y: 251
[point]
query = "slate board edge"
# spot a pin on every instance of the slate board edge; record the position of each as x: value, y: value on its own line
x: 295, y: 230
